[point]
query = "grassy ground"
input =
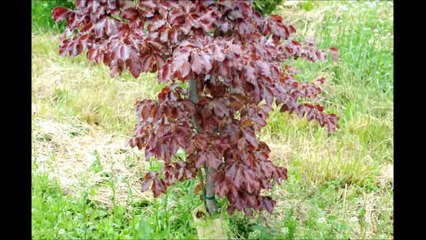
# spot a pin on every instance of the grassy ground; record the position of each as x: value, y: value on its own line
x: 86, y: 181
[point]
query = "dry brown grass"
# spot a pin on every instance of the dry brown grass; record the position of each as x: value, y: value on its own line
x: 73, y: 150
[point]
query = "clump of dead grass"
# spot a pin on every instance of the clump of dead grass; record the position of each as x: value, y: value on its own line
x: 76, y: 149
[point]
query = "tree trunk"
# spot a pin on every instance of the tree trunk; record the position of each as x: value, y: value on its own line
x: 210, y: 201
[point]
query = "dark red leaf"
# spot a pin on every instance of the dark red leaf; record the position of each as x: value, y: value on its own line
x: 146, y: 185
x: 197, y: 63
x: 164, y: 35
x: 220, y: 109
x: 202, y: 159
x: 239, y: 177
x: 158, y: 187
x: 149, y: 4
x: 321, y: 80
x: 147, y: 62
x: 60, y: 13
x: 268, y: 203
x: 175, y: 14
x: 218, y: 54
x: 156, y: 24
x: 130, y: 13
x: 230, y: 171
x: 180, y: 64
x: 241, y: 144
x: 213, y: 160
x: 164, y: 92
x: 334, y: 54
x: 165, y: 73
x: 135, y: 67
x: 264, y: 68
x: 276, y: 18
x: 149, y: 177
x: 251, y: 138
x: 206, y: 21
x: 292, y: 29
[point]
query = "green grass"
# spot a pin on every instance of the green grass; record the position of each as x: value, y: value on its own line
x: 56, y: 215
x: 41, y: 14
x: 85, y: 180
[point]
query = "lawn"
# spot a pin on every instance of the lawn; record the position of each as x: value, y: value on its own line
x: 86, y: 181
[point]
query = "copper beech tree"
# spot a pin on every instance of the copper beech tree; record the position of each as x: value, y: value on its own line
x: 221, y: 62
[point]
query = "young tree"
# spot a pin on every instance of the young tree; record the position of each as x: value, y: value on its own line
x: 221, y: 61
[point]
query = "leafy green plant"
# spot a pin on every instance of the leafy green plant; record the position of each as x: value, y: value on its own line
x: 266, y: 7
